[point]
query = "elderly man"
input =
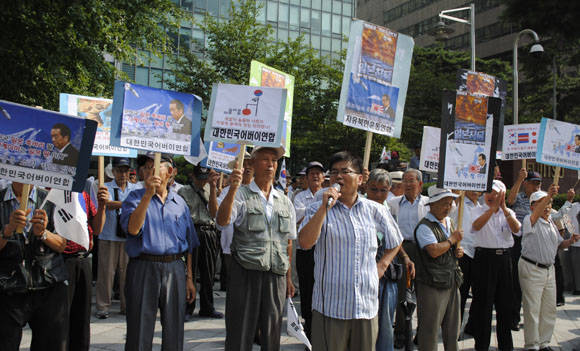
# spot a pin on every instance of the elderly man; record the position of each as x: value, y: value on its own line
x: 408, y: 209
x: 540, y: 242
x: 112, y: 255
x: 344, y: 227
x: 519, y: 201
x: 493, y: 225
x: 264, y: 226
x: 305, y: 258
x: 197, y: 196
x: 438, y: 274
x: 33, y: 275
x: 397, y: 188
x: 572, y: 210
x: 159, y: 234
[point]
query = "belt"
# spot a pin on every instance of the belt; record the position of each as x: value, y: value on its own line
x: 493, y: 251
x: 80, y: 254
x: 545, y: 266
x: 159, y: 258
x: 409, y: 241
x: 205, y: 226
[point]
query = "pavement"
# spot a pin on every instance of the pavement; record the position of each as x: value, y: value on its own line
x: 209, y: 334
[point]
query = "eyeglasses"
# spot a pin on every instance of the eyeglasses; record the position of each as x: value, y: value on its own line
x: 377, y: 190
x: 335, y: 172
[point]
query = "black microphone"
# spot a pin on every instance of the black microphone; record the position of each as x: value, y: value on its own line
x: 330, y: 199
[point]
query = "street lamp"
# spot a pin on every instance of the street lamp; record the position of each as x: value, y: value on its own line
x: 536, y: 48
x: 441, y: 30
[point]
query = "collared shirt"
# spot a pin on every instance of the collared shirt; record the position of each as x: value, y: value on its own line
x: 11, y: 198
x: 408, y: 217
x: 239, y: 210
x: 110, y: 228
x: 521, y: 206
x: 426, y: 237
x: 197, y: 206
x: 345, y: 270
x: 468, y: 241
x: 167, y: 229
x: 227, y: 231
x: 175, y: 186
x: 301, y: 203
x: 572, y: 212
x: 496, y: 233
x: 540, y: 241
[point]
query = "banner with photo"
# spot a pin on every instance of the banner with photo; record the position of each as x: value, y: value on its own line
x: 246, y: 114
x: 45, y: 148
x: 375, y: 80
x: 266, y: 76
x: 99, y: 110
x: 155, y: 119
x: 520, y: 141
x: 559, y: 144
x: 470, y: 126
x: 220, y: 154
x: 429, y: 161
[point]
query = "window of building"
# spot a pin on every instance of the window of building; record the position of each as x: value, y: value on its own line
x: 294, y: 17
x: 325, y: 23
x: 283, y: 16
x: 316, y: 22
x: 305, y: 18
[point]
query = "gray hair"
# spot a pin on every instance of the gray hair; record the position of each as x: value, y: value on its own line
x: 417, y: 172
x: 379, y: 175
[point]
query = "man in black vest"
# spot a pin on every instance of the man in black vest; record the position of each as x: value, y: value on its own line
x: 438, y: 275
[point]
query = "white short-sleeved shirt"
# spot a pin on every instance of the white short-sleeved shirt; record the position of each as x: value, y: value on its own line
x: 540, y: 241
x: 496, y: 233
x: 227, y: 231
x: 468, y: 242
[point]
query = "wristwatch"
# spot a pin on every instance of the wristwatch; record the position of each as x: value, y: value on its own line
x: 43, y: 236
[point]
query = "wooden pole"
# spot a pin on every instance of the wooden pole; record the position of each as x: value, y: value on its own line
x: 221, y: 180
x: 240, y: 158
x: 367, y: 154
x: 557, y: 175
x: 157, y: 163
x: 23, y: 203
x: 460, y: 210
x: 101, y: 171
x: 524, y: 164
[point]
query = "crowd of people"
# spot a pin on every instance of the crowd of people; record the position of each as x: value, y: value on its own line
x: 363, y: 250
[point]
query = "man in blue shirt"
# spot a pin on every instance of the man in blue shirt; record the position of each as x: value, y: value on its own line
x: 112, y: 255
x: 159, y: 233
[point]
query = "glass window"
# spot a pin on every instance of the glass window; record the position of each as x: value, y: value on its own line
x: 156, y: 62
x: 199, y: 4
x: 224, y: 8
x: 168, y: 77
x: 155, y: 78
x: 306, y: 38
x: 346, y: 26
x: 198, y: 40
x: 316, y: 22
x: 185, y: 39
x: 272, y: 11
x: 142, y: 75
x: 283, y: 16
x: 327, y: 5
x: 305, y: 18
x: 262, y: 14
x: 282, y: 35
x: 167, y: 64
x: 295, y: 2
x: 335, y: 45
x: 306, y: 3
x: 187, y: 5
x: 293, y: 35
x: 315, y: 39
x: 326, y: 23
x: 325, y: 43
x: 347, y: 10
x: 336, y: 24
x: 336, y: 7
x: 173, y: 38
x: 213, y: 8
x: 143, y: 58
x: 316, y: 4
x: 294, y: 17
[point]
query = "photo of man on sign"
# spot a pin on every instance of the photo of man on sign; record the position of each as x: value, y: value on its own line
x: 67, y: 154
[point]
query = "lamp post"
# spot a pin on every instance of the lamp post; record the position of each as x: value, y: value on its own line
x: 441, y: 29
x: 536, y: 48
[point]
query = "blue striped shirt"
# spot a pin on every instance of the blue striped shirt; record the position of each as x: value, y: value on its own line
x: 348, y: 281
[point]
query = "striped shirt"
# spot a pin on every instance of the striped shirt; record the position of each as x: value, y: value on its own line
x: 348, y: 281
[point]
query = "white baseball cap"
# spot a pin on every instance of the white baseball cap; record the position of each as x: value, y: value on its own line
x: 538, y: 195
x: 498, y: 186
x: 436, y: 194
x: 280, y: 151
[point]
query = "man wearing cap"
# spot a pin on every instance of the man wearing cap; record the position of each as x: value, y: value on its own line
x: 305, y: 258
x: 112, y: 255
x: 159, y: 233
x: 407, y: 209
x: 197, y: 195
x: 344, y: 227
x: 572, y: 210
x: 438, y: 274
x: 540, y: 243
x: 519, y: 201
x: 397, y: 188
x: 300, y: 184
x: 260, y: 278
x: 492, y: 227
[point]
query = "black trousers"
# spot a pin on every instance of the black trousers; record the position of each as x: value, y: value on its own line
x: 78, y: 303
x: 466, y: 263
x: 559, y: 280
x: 204, y: 259
x: 493, y: 286
x: 305, y: 268
x: 44, y: 310
x: 517, y: 305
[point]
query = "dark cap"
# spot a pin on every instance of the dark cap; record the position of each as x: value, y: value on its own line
x: 302, y: 172
x: 142, y: 159
x: 201, y: 172
x: 533, y: 176
x: 314, y: 164
x: 120, y: 162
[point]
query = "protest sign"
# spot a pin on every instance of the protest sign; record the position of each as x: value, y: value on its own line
x: 266, y: 76
x: 155, y: 120
x: 220, y: 154
x: 520, y: 141
x: 246, y: 114
x: 559, y: 144
x: 469, y: 132
x: 429, y: 161
x: 375, y: 80
x: 44, y: 148
x: 99, y: 110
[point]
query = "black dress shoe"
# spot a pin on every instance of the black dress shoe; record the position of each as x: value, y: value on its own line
x: 547, y: 348
x: 515, y: 327
x: 560, y: 303
x: 214, y: 314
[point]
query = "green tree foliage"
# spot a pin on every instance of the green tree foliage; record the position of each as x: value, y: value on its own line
x: 49, y: 47
x: 556, y: 22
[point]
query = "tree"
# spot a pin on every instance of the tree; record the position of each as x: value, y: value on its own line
x: 49, y: 47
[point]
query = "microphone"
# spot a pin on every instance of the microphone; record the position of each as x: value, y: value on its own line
x: 331, y: 199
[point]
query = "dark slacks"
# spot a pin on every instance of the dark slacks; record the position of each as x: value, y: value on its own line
x: 401, y: 332
x: 78, y: 303
x: 466, y: 265
x: 204, y: 260
x: 305, y: 268
x: 517, y: 303
x: 149, y: 286
x: 255, y: 300
x: 493, y: 286
x: 43, y: 310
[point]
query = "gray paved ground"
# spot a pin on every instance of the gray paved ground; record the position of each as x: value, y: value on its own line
x: 209, y: 334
